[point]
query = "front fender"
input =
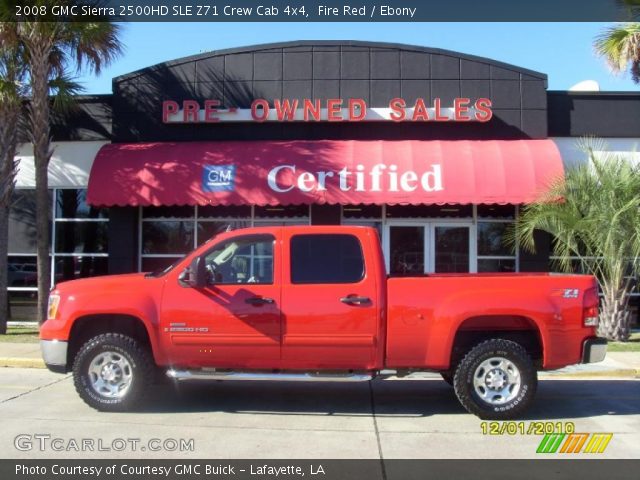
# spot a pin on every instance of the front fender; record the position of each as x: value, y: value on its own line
x: 74, y: 306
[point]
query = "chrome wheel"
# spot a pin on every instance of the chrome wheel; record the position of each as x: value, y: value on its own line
x: 110, y: 374
x: 497, y: 381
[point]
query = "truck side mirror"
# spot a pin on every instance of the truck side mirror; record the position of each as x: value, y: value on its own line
x: 196, y: 274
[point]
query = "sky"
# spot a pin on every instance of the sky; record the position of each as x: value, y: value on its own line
x: 564, y: 51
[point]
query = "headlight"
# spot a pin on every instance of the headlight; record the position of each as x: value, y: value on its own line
x: 52, y: 309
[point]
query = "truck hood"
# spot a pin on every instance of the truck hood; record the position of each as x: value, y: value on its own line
x: 124, y: 282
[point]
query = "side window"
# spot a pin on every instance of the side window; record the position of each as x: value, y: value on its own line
x: 326, y: 259
x: 241, y: 260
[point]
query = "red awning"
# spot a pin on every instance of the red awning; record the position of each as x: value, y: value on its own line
x: 324, y: 171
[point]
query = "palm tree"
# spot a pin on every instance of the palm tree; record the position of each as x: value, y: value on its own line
x: 12, y: 91
x: 52, y: 46
x: 595, y: 229
x: 620, y: 46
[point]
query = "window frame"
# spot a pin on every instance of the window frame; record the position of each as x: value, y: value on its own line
x: 381, y: 223
x: 53, y: 253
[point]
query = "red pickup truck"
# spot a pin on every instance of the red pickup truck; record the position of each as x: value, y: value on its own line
x: 314, y: 303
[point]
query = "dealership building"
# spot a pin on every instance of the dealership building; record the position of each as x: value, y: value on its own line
x: 436, y: 149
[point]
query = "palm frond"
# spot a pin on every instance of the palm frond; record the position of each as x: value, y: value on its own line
x: 63, y: 90
x: 619, y: 45
x: 94, y: 44
x: 596, y: 223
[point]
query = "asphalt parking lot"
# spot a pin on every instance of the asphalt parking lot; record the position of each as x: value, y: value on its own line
x: 388, y: 419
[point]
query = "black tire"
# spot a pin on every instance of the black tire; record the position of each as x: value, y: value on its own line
x: 139, y: 367
x: 469, y: 397
x: 447, y: 377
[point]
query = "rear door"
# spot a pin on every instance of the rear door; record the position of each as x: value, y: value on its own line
x: 329, y: 302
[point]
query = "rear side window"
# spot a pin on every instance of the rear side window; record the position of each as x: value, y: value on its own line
x: 326, y: 259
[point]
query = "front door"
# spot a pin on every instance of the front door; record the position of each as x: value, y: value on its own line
x: 235, y: 320
x: 415, y: 248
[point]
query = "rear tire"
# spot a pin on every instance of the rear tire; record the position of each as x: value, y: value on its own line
x: 112, y: 372
x: 496, y: 380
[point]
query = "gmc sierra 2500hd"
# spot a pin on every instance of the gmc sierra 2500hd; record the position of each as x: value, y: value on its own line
x: 314, y: 303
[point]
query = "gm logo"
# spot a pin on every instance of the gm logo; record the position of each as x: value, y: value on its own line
x: 218, y: 178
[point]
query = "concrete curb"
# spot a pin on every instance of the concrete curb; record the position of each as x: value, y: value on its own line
x: 22, y: 362
x: 618, y: 373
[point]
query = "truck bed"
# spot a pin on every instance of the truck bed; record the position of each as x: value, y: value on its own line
x: 426, y: 312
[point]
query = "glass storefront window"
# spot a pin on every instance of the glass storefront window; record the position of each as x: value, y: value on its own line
x: 208, y: 229
x: 496, y: 265
x: 155, y: 264
x: 491, y: 239
x: 72, y: 203
x: 451, y: 249
x: 169, y: 231
x: 72, y: 267
x: 78, y: 242
x: 494, y: 252
x: 165, y: 234
x: 22, y: 271
x: 167, y: 237
x: 81, y: 237
x: 406, y: 250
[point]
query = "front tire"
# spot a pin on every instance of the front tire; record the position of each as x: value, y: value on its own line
x: 496, y: 380
x: 112, y: 372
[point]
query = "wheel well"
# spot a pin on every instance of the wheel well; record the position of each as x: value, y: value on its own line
x: 89, y: 326
x: 516, y: 328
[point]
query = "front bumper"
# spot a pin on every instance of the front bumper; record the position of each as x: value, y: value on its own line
x: 54, y: 354
x: 594, y: 350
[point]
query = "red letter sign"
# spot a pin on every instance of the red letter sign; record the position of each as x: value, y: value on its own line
x: 169, y: 107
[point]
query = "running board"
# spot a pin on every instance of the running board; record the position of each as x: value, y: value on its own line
x: 277, y: 377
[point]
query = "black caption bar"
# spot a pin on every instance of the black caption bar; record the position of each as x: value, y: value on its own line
x: 550, y: 469
x: 327, y: 10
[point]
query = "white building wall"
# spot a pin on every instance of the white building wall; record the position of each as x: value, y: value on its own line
x: 69, y: 168
x: 571, y: 153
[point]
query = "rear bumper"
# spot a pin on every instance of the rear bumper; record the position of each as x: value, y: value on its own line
x: 594, y: 350
x: 54, y: 354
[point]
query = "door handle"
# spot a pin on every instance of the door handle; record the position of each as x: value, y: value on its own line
x: 257, y: 301
x: 355, y: 300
